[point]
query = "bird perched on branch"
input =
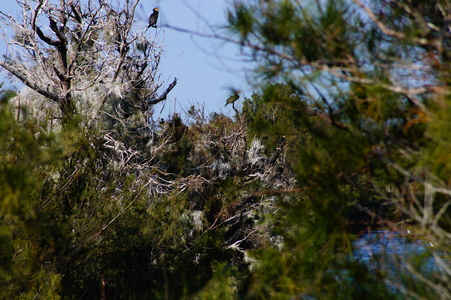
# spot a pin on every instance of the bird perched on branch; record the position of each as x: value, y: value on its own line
x: 233, y: 98
x: 153, y: 18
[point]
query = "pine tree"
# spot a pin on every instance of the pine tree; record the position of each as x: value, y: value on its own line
x: 367, y: 103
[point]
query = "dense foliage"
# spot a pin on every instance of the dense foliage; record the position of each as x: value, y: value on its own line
x: 349, y: 131
x: 365, y: 106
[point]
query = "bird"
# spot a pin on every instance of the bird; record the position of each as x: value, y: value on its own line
x: 153, y: 18
x: 233, y: 98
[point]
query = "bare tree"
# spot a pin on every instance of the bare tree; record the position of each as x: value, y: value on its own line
x: 83, y: 56
x: 92, y: 59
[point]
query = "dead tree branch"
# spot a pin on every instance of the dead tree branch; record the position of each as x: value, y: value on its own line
x: 165, y: 93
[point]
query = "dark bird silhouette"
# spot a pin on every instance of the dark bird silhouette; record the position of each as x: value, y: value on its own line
x: 153, y: 18
x: 232, y: 99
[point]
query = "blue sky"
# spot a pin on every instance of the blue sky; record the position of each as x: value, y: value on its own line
x: 206, y: 69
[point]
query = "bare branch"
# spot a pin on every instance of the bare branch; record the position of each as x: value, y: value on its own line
x: 165, y: 93
x: 78, y: 61
x: 388, y: 31
x: 29, y: 83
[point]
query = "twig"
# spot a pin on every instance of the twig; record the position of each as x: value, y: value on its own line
x: 165, y: 93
